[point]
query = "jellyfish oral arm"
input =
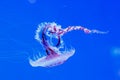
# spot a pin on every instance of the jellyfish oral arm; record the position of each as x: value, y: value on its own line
x: 86, y: 30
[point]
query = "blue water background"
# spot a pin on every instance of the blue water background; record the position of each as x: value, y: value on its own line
x: 94, y: 58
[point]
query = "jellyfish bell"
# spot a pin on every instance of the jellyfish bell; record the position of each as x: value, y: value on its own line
x: 52, y: 59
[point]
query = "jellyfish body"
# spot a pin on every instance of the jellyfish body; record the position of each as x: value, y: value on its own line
x: 54, y: 55
x: 52, y: 59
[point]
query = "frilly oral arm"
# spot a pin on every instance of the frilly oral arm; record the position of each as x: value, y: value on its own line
x: 88, y: 31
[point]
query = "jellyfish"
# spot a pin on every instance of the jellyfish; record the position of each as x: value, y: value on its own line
x: 54, y: 53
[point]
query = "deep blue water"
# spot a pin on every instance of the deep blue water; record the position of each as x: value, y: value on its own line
x: 97, y: 56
